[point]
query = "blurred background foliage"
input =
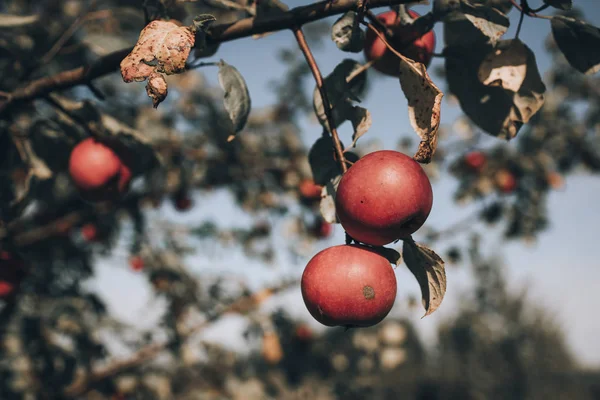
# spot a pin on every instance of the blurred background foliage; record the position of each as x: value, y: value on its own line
x: 55, y: 332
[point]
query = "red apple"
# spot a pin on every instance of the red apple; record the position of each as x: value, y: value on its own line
x: 12, y: 272
x: 97, y: 171
x: 555, y: 180
x: 348, y: 285
x: 383, y: 197
x: 405, y: 41
x: 183, y: 202
x: 322, y: 229
x: 304, y: 333
x: 89, y: 232
x: 475, y: 160
x: 6, y: 289
x: 136, y: 263
x: 309, y: 190
x: 505, y: 181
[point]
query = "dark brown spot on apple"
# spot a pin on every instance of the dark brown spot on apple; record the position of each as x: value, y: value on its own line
x: 369, y: 292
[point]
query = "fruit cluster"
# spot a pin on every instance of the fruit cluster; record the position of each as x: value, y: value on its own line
x: 384, y: 197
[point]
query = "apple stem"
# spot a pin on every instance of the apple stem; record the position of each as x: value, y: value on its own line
x: 310, y: 59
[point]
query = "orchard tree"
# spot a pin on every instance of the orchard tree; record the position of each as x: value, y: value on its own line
x: 95, y: 134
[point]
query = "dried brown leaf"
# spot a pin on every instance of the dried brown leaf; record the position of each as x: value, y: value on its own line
x: 429, y: 270
x: 424, y: 106
x: 157, y: 88
x: 163, y: 46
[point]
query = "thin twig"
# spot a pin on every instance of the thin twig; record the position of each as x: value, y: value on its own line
x: 520, y: 24
x: 529, y: 12
x: 541, y: 8
x: 312, y: 63
x: 360, y: 70
x: 201, y: 64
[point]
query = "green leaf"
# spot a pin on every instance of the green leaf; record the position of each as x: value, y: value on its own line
x: 491, y: 104
x: 237, y: 97
x: 361, y: 121
x: 560, y: 4
x: 579, y: 42
x: 343, y: 88
x: 347, y: 35
x: 323, y: 164
x: 430, y: 272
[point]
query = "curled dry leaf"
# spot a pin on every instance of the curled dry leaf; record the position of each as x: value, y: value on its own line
x: 579, y: 42
x: 430, y: 272
x: 347, y: 34
x: 237, y: 97
x: 162, y: 46
x: 327, y: 204
x: 424, y: 106
x: 156, y: 88
x: 488, y: 20
x: 505, y: 66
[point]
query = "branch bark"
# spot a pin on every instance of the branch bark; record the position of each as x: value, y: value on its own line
x: 217, y: 34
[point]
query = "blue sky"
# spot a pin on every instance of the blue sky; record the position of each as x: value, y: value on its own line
x: 561, y: 269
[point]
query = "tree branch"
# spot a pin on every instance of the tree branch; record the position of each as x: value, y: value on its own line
x: 310, y: 59
x: 217, y: 34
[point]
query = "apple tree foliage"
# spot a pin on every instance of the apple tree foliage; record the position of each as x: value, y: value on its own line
x: 59, y: 84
